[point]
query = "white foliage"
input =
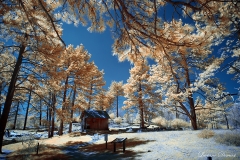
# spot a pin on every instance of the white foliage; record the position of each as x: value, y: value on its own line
x: 177, y: 123
x: 111, y: 115
x: 118, y: 120
x: 160, y: 121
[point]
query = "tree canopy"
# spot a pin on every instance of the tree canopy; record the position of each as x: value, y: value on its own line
x: 178, y: 35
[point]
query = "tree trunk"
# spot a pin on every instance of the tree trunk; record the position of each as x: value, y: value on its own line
x: 63, y: 106
x: 226, y: 120
x: 117, y: 106
x: 194, y: 123
x: 193, y: 117
x: 10, y: 94
x: 225, y: 115
x: 26, y: 115
x: 141, y: 117
x: 53, y: 114
x: 49, y: 121
x: 48, y: 106
x: 1, y: 87
x: 140, y: 102
x: 47, y: 114
x: 40, y: 116
x: 90, y: 96
x: 190, y: 97
x: 177, y: 115
x: 73, y: 101
x: 15, y: 118
x: 52, y: 122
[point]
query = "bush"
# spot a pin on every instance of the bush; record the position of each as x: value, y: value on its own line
x: 10, y: 125
x: 44, y: 122
x: 202, y: 125
x: 75, y: 134
x: 112, y: 115
x: 206, y: 134
x: 76, y: 120
x: 118, y: 120
x: 36, y: 126
x: 179, y: 123
x: 230, y: 138
x: 160, y: 121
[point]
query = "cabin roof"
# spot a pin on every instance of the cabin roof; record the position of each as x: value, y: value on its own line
x: 95, y: 114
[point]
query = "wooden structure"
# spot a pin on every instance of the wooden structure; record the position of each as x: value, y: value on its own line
x: 95, y: 120
x: 119, y: 140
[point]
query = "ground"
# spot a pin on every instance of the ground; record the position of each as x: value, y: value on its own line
x: 139, y: 145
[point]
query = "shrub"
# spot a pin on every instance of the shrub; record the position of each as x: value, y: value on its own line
x: 160, y: 121
x: 206, y: 134
x: 112, y: 115
x: 36, y: 126
x: 10, y: 125
x: 118, y: 120
x: 136, y: 120
x: 33, y: 121
x: 202, y: 125
x: 75, y: 134
x: 19, y: 124
x: 178, y: 123
x: 44, y: 122
x: 76, y: 120
x: 230, y: 138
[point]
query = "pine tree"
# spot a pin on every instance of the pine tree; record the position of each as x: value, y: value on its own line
x: 20, y: 21
x: 116, y: 90
x: 95, y: 84
x: 137, y: 88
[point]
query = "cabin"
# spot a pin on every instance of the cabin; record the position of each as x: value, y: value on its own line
x: 94, y: 119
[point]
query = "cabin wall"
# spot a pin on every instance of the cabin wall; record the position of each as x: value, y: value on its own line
x: 96, y: 123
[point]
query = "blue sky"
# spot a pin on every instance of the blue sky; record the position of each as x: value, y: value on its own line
x: 99, y: 45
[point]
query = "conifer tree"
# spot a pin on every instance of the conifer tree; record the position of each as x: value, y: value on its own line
x: 21, y: 23
x: 116, y: 90
x: 136, y: 88
x: 95, y: 84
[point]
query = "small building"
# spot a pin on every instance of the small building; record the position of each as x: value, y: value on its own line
x: 94, y: 119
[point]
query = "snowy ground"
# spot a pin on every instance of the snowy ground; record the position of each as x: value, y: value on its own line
x: 179, y: 145
x: 159, y: 145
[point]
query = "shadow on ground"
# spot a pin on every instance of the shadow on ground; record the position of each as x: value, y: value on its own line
x: 99, y: 151
x: 81, y: 151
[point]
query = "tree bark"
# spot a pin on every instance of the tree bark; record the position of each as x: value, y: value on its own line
x: 177, y: 115
x: 225, y: 115
x: 190, y: 99
x: 53, y: 114
x: 140, y: 103
x: 16, y: 114
x: 193, y: 113
x: 73, y: 101
x: 90, y: 95
x: 26, y: 115
x: 194, y: 122
x: 52, y: 122
x: 117, y: 106
x: 49, y: 120
x: 1, y: 87
x: 63, y: 106
x: 10, y: 94
x: 40, y: 116
x: 47, y: 111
